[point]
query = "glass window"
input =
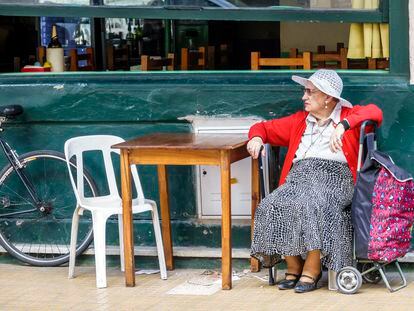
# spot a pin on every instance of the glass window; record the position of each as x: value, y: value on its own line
x: 228, y: 45
x: 318, y: 4
x: 68, y: 2
x: 73, y: 33
x: 312, y: 4
x: 224, y: 44
x: 135, y: 2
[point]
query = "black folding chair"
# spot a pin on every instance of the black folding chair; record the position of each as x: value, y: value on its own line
x: 273, y: 161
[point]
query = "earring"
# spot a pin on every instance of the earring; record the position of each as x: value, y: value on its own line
x: 326, y: 104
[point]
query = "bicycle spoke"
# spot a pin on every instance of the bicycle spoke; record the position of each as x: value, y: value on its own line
x: 15, y: 193
x: 67, y: 247
x: 20, y: 204
x: 43, y: 195
x: 18, y: 213
x: 57, y: 247
x: 22, y: 247
x: 60, y: 213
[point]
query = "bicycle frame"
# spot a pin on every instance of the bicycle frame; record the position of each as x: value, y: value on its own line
x: 18, y: 167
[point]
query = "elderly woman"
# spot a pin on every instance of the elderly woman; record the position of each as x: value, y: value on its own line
x: 307, y: 218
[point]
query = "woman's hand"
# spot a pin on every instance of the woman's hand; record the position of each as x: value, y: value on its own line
x: 254, y: 146
x: 335, y: 142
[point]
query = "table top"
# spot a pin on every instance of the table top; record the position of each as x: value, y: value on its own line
x: 185, y: 141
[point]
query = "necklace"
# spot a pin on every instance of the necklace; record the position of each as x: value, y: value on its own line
x: 312, y: 142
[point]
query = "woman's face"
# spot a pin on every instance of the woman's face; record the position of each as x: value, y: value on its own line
x: 313, y: 98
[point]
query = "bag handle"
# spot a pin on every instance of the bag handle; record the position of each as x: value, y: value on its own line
x: 363, y: 127
x: 369, y: 139
x: 261, y: 174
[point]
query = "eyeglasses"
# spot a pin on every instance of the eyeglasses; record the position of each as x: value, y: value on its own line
x: 310, y: 92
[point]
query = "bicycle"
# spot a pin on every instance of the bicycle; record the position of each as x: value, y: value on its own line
x: 37, y: 204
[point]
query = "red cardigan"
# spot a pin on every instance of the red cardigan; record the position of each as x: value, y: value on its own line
x: 288, y: 131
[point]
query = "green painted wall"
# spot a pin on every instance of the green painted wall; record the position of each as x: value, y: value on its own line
x: 131, y: 104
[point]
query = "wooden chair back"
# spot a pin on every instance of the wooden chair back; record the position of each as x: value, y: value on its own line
x: 378, y: 63
x: 88, y: 56
x: 41, y: 54
x: 304, y: 61
x: 351, y: 63
x: 320, y: 59
x: 149, y: 63
x: 223, y: 56
x: 118, y: 57
x: 20, y: 61
x: 339, y: 57
x: 211, y: 57
x: 322, y: 50
x: 195, y: 60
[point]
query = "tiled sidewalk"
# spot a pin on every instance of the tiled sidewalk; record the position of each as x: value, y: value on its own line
x: 32, y: 288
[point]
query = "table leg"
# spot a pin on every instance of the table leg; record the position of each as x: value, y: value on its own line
x: 225, y: 174
x: 254, y: 263
x: 127, y: 219
x: 165, y: 216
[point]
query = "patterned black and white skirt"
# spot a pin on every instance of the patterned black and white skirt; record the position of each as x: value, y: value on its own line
x: 310, y: 211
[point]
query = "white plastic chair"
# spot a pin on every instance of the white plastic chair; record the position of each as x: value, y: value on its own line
x: 102, y: 207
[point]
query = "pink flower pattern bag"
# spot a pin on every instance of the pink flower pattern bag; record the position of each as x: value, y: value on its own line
x: 392, y: 217
x: 382, y: 209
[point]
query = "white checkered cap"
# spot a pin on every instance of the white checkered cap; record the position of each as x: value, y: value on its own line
x: 327, y: 81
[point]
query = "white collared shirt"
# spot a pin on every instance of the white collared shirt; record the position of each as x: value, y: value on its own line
x: 315, y: 139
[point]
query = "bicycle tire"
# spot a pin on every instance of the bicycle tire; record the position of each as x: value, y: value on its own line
x: 39, y: 238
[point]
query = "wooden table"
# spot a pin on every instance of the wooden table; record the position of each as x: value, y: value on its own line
x: 164, y: 149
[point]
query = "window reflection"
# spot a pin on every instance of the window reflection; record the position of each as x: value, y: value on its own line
x: 317, y: 4
x: 129, y: 38
x: 67, y: 2
x: 227, y: 45
x: 311, y: 4
x: 189, y: 44
x: 72, y: 32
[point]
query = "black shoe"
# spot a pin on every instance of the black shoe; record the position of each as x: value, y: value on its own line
x: 304, y: 287
x: 289, y: 284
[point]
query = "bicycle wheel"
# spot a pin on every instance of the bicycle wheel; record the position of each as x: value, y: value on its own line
x: 37, y: 237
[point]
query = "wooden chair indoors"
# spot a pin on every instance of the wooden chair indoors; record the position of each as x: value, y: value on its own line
x: 304, y: 61
x: 378, y: 63
x: 339, y: 57
x: 118, y: 57
x: 41, y: 54
x: 322, y: 50
x: 224, y: 56
x: 211, y: 57
x: 149, y: 63
x: 194, y: 59
x: 323, y: 59
x: 351, y: 63
x: 75, y: 58
x: 19, y: 62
